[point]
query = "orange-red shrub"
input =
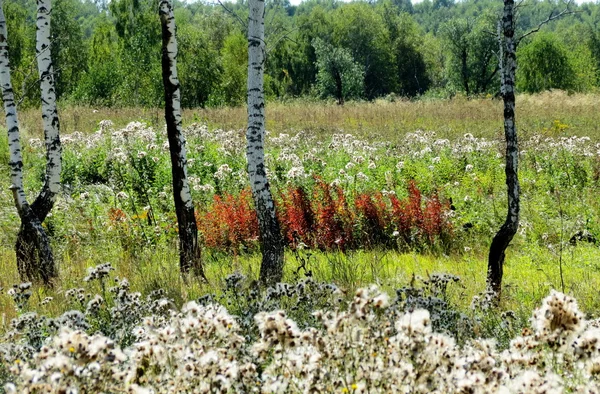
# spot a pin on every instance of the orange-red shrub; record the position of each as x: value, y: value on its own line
x: 229, y: 222
x: 324, y: 218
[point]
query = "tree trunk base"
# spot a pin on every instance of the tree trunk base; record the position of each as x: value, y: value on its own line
x: 271, y: 268
x: 497, y: 255
x: 192, y: 264
x: 35, y: 261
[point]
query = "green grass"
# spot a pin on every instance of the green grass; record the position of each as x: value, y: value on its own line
x: 558, y: 200
x: 529, y: 275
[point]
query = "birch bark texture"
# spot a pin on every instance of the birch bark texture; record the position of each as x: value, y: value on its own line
x: 44, y: 203
x: 35, y: 260
x: 271, y: 241
x: 508, y: 67
x: 190, y: 258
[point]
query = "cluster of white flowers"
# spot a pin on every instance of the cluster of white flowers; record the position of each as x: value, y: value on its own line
x: 134, y: 130
x: 196, y: 184
x: 299, y: 140
x: 105, y: 125
x: 232, y: 142
x: 353, y: 146
x: 98, y: 272
x: 223, y: 172
x: 297, y: 156
x: 368, y: 347
x: 573, y: 144
x: 296, y: 172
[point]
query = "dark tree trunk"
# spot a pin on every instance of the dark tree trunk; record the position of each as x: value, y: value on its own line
x: 189, y: 249
x: 338, y: 86
x: 35, y: 260
x: 487, y: 81
x: 508, y: 66
x: 271, y: 241
x: 465, y: 72
x: 484, y: 79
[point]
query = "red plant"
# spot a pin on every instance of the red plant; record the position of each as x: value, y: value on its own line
x: 399, y: 218
x: 372, y: 212
x: 116, y: 215
x: 346, y: 218
x: 296, y: 217
x: 324, y: 218
x: 433, y: 219
x: 407, y: 215
x: 230, y: 222
x: 328, y: 229
x: 415, y: 213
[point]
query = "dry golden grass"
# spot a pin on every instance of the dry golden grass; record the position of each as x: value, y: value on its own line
x: 379, y: 119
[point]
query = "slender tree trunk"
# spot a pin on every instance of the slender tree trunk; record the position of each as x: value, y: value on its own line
x: 44, y: 202
x: 338, y: 86
x: 189, y: 249
x: 34, y: 255
x: 489, y: 79
x: 508, y: 66
x: 465, y: 72
x: 271, y: 241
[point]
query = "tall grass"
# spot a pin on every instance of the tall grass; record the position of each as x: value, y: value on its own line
x: 146, y: 254
x: 376, y: 120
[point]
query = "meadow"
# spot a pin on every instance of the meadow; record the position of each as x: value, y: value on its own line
x: 387, y: 209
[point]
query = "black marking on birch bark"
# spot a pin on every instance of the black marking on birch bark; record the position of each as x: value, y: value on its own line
x: 190, y: 258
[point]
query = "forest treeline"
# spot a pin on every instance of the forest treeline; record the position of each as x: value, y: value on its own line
x: 108, y: 53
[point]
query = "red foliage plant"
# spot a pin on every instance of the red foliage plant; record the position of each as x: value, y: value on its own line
x: 323, y: 218
x: 230, y: 222
x: 116, y: 215
x: 407, y: 215
x: 373, y: 218
x: 329, y: 230
x: 296, y: 217
x: 433, y: 219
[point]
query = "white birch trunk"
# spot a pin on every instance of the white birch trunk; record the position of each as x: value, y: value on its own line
x: 189, y: 249
x: 508, y: 67
x: 12, y: 123
x: 271, y: 269
x: 34, y: 256
x: 45, y: 200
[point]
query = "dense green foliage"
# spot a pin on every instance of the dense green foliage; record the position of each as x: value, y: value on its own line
x: 108, y: 53
x: 545, y: 65
x: 338, y: 74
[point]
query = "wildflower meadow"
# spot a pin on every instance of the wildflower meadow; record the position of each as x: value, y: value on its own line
x: 386, y: 227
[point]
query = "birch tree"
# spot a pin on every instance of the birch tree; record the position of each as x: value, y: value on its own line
x: 508, y: 67
x: 34, y: 255
x: 271, y: 241
x: 508, y: 44
x: 189, y: 249
x: 45, y: 201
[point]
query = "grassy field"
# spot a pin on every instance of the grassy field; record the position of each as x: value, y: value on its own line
x: 387, y: 209
x: 380, y: 119
x: 559, y: 178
